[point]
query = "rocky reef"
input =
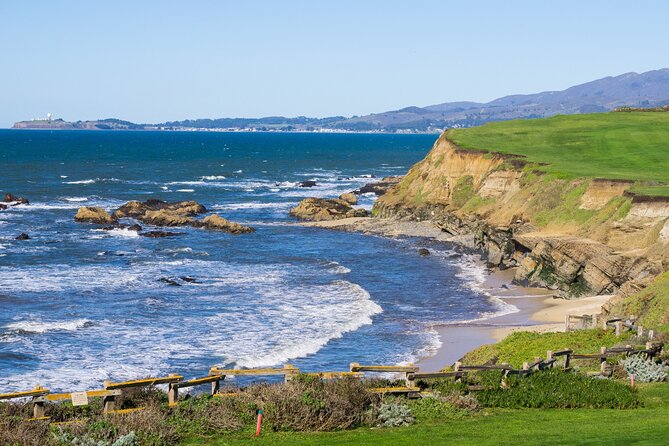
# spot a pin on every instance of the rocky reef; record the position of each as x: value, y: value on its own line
x: 577, y: 236
x: 323, y: 209
x: 160, y: 213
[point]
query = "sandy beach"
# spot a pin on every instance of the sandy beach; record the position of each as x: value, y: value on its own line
x: 538, y: 309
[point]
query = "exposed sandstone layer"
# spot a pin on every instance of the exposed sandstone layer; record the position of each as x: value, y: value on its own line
x: 161, y: 213
x: 577, y: 236
x: 90, y: 214
x: 219, y: 223
x: 321, y: 209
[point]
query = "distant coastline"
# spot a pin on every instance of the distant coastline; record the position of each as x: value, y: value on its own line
x: 630, y: 91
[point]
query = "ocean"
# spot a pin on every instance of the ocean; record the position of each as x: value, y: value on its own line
x: 79, y: 305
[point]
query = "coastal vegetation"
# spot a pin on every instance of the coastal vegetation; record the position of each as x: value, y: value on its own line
x: 628, y: 146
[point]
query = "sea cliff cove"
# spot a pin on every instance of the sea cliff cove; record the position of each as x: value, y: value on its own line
x: 351, y: 223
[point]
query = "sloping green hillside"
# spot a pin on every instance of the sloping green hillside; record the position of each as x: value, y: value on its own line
x: 632, y: 146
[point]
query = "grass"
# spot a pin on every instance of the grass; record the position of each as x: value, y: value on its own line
x: 651, y: 303
x: 644, y: 426
x: 523, y: 346
x: 633, y: 146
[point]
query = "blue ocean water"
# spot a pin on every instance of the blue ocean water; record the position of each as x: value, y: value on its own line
x: 79, y: 305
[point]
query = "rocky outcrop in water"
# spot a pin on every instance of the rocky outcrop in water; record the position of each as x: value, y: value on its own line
x: 91, y: 214
x: 350, y: 198
x: 219, y: 223
x: 13, y: 200
x: 137, y: 209
x: 23, y: 236
x: 379, y: 187
x: 160, y: 213
x: 322, y: 209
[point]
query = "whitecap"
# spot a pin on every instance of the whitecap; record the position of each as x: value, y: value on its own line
x: 185, y: 190
x: 76, y: 199
x: 80, y: 182
x: 213, y: 177
x: 39, y: 326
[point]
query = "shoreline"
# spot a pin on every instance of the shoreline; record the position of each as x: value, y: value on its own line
x: 538, y: 309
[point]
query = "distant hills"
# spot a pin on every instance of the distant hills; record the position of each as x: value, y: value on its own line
x: 649, y: 89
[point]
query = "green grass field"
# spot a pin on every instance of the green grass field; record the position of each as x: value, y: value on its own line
x: 632, y: 146
x: 645, y: 426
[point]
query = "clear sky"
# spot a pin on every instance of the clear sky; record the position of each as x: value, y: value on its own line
x: 151, y: 61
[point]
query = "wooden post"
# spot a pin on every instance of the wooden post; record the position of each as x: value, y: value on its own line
x: 602, y: 361
x: 619, y: 328
x: 456, y: 366
x: 594, y: 321
x: 651, y: 334
x: 566, y: 359
x: 38, y: 406
x: 215, y: 387
x: 566, y: 322
x: 109, y: 401
x: 526, y: 365
x: 549, y: 356
x: 172, y: 393
x: 639, y: 331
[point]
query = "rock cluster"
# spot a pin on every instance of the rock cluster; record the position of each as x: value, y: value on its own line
x: 379, y: 187
x: 322, y: 209
x: 159, y: 213
x: 12, y: 200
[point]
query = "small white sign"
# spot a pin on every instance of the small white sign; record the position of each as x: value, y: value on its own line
x: 79, y: 398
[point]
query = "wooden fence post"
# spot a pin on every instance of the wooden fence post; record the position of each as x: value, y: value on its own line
x: 639, y: 331
x: 566, y: 322
x: 172, y: 392
x: 566, y: 359
x: 602, y: 361
x: 651, y: 334
x: 594, y: 321
x: 456, y: 366
x: 38, y: 406
x: 619, y: 328
x: 109, y: 401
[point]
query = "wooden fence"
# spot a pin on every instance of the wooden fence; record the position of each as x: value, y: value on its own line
x: 619, y: 324
x: 409, y: 373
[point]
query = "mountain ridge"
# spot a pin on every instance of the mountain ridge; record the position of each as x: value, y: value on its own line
x: 648, y: 89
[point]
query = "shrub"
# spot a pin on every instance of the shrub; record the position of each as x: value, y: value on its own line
x: 394, y: 414
x: 644, y: 369
x: 308, y: 403
x: 558, y: 389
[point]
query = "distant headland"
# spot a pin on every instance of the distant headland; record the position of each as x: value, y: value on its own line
x: 631, y: 90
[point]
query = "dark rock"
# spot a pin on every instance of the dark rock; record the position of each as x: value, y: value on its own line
x: 3, y: 207
x: 9, y: 198
x: 308, y: 183
x: 189, y: 279
x: 424, y: 252
x: 134, y: 227
x: 160, y: 234
x: 23, y: 236
x: 379, y: 187
x: 169, y: 281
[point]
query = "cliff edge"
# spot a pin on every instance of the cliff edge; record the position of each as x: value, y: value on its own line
x: 579, y: 236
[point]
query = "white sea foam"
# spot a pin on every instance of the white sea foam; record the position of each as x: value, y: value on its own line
x: 38, y: 326
x: 251, y: 205
x: 213, y: 177
x: 63, y: 176
x: 185, y: 190
x: 118, y: 232
x: 90, y: 181
x: 76, y: 199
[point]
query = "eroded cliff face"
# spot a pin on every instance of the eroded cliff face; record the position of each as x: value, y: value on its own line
x: 577, y: 236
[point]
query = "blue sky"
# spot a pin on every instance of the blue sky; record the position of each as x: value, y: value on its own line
x: 155, y: 61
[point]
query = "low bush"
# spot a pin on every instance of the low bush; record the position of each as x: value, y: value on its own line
x: 557, y: 389
x: 394, y: 415
x: 645, y: 369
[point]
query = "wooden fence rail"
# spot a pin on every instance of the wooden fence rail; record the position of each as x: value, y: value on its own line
x: 112, y: 390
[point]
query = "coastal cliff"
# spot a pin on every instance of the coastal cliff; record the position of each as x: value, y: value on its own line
x: 578, y: 236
